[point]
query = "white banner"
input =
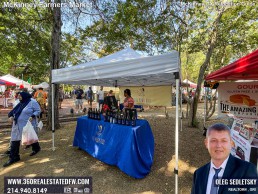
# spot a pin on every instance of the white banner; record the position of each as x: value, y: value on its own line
x: 239, y: 99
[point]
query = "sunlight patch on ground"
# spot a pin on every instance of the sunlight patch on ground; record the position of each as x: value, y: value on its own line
x: 57, y: 171
x: 182, y: 168
x: 148, y: 192
x: 32, y: 160
x: 41, y: 161
x: 64, y: 139
x: 45, y: 141
x: 31, y: 175
x: 8, y: 169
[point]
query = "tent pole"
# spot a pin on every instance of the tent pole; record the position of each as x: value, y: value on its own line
x: 176, y: 132
x: 53, y: 117
x: 205, y: 104
x: 181, y: 111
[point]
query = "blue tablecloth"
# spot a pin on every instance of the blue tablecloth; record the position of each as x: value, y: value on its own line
x: 129, y: 148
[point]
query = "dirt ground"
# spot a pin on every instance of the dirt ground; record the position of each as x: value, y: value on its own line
x: 67, y: 160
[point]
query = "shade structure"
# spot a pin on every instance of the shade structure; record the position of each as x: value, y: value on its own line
x: 124, y: 68
x: 43, y: 85
x: 245, y: 68
x: 15, y: 80
x: 7, y: 83
x: 188, y: 83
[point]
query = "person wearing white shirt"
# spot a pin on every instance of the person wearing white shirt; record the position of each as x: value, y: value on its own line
x: 101, y: 96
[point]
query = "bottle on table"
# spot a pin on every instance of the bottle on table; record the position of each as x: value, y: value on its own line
x: 128, y: 118
x: 90, y: 113
x: 108, y: 116
x: 133, y: 119
x: 119, y: 121
x: 114, y: 118
x: 111, y: 117
x: 98, y: 114
x: 123, y: 118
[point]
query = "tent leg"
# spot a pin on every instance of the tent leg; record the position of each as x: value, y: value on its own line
x: 53, y: 117
x: 181, y: 112
x: 176, y: 136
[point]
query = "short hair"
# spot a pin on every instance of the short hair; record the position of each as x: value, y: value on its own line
x: 127, y: 91
x: 218, y: 127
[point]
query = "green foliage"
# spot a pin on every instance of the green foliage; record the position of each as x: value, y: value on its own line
x: 25, y: 42
x: 154, y: 26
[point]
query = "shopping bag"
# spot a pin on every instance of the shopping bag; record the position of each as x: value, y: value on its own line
x: 40, y: 125
x: 29, y: 135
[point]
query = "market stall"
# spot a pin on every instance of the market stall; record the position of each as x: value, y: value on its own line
x: 238, y: 101
x: 17, y: 81
x: 5, y: 96
x: 127, y: 68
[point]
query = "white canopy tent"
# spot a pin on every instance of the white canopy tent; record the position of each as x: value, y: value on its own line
x: 16, y: 80
x: 190, y: 84
x: 126, y: 68
x: 43, y: 85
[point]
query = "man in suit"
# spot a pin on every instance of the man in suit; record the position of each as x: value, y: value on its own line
x: 218, y: 142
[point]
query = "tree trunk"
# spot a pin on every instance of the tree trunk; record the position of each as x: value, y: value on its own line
x: 212, y: 106
x: 205, y: 65
x: 55, y: 64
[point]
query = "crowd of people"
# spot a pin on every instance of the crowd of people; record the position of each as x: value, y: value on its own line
x: 29, y: 107
x: 109, y: 98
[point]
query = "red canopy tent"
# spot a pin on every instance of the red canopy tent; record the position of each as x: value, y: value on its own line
x: 7, y: 83
x: 245, y: 68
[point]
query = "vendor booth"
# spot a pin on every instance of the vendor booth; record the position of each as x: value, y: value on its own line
x: 5, y: 99
x: 238, y: 101
x: 43, y: 85
x: 17, y: 81
x: 125, y: 68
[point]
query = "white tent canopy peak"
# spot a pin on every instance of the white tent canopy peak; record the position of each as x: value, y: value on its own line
x: 124, y: 68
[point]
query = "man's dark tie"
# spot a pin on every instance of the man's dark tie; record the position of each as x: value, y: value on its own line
x: 214, y: 188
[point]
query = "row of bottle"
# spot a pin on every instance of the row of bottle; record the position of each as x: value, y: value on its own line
x: 94, y: 114
x: 120, y: 118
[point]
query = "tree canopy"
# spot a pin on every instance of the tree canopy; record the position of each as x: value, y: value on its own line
x: 103, y: 27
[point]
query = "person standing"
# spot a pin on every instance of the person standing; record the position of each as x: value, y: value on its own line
x: 61, y: 97
x: 110, y: 93
x: 6, y: 97
x: 78, y: 101
x: 26, y: 110
x: 90, y: 96
x: 218, y: 142
x: 128, y: 101
x: 41, y: 97
x: 100, y: 96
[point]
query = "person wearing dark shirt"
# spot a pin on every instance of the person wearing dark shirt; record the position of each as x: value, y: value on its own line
x: 90, y: 96
x: 78, y: 100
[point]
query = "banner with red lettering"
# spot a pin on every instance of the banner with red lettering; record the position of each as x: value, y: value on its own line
x: 238, y: 99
